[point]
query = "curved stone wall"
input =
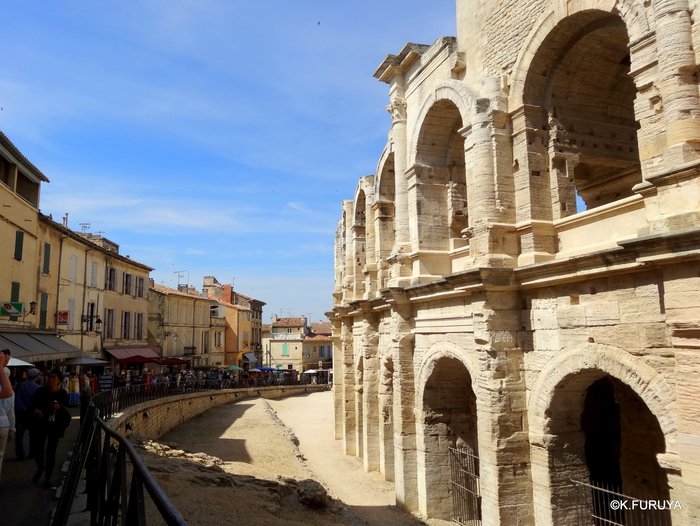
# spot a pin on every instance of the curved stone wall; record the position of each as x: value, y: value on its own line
x: 154, y: 418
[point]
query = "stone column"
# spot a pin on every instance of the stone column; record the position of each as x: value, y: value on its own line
x: 370, y: 388
x: 404, y: 400
x: 386, y: 418
x: 337, y: 377
x: 397, y: 138
x: 348, y: 386
x: 349, y: 264
x: 501, y: 406
x: 676, y: 66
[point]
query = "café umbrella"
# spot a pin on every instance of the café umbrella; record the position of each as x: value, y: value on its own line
x: 16, y: 362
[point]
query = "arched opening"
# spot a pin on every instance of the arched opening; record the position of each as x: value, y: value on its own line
x: 441, y: 182
x: 385, y: 211
x: 605, y: 446
x: 582, y: 149
x: 449, y: 429
x: 359, y: 244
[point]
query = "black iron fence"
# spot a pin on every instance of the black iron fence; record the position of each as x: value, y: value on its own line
x: 115, y: 473
x: 602, y: 504
x: 466, y: 490
x: 116, y: 400
x: 116, y: 477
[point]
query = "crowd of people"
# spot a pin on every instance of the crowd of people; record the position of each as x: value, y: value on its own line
x: 35, y: 407
x: 33, y: 404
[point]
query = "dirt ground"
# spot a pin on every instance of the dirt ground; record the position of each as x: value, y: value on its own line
x: 270, y: 462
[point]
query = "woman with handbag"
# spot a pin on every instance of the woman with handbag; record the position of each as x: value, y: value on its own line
x: 51, y: 418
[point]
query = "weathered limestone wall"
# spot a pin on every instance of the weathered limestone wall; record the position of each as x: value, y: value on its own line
x: 154, y: 418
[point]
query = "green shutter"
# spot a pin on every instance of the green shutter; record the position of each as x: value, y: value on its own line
x: 43, y: 305
x: 47, y: 258
x: 285, y: 349
x: 19, y: 243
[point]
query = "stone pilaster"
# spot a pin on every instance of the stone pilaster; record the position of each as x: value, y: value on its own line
x: 370, y: 388
x: 348, y: 386
x: 404, y: 400
x: 677, y: 82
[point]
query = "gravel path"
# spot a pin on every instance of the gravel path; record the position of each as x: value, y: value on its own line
x: 259, y: 462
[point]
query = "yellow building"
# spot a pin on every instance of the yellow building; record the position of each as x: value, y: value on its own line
x: 101, y: 300
x: 181, y: 321
x: 29, y: 278
x: 229, y: 312
x: 244, y: 323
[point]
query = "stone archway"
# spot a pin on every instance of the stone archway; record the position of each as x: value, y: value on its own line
x: 446, y: 418
x: 359, y: 243
x: 437, y: 174
x: 600, y: 416
x: 384, y: 216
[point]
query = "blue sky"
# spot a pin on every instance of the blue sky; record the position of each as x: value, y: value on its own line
x: 209, y: 137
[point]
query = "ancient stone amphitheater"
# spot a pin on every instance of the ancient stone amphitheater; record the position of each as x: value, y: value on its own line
x: 517, y: 287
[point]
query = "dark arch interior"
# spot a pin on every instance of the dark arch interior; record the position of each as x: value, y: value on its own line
x: 581, y: 96
x: 449, y: 421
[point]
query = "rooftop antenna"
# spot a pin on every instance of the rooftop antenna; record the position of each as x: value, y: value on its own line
x: 85, y: 227
x: 179, y: 274
x: 289, y: 311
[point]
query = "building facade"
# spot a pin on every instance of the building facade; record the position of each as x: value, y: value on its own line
x: 517, y: 284
x: 244, y: 333
x: 187, y: 326
x: 287, y: 343
x: 95, y: 298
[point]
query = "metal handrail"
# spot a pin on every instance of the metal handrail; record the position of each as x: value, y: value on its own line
x: 116, y: 400
x: 112, y: 497
x: 103, y: 454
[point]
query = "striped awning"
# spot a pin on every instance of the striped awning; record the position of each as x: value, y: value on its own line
x: 37, y: 346
x: 134, y: 354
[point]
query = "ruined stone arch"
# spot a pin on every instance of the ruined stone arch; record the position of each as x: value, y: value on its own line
x: 451, y: 90
x: 384, y: 210
x: 447, y: 416
x: 629, y: 11
x: 437, y: 171
x: 575, y: 116
x: 623, y: 441
x: 363, y: 236
x: 438, y: 350
x: 643, y: 379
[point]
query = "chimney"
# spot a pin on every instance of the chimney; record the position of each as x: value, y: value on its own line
x: 65, y: 220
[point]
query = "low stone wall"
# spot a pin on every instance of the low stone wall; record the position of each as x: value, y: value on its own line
x: 154, y: 418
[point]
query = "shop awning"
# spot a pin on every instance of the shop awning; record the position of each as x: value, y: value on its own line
x: 250, y: 357
x: 37, y: 347
x: 134, y: 354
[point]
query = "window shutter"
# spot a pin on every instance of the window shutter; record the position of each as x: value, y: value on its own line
x: 47, y: 258
x: 19, y: 244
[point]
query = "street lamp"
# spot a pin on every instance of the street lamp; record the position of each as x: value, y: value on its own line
x: 90, y: 321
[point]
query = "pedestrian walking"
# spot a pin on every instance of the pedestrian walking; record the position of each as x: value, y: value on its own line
x: 51, y: 418
x: 23, y: 410
x: 7, y: 405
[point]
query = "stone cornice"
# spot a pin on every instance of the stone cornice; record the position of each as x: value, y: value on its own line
x: 394, y: 65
